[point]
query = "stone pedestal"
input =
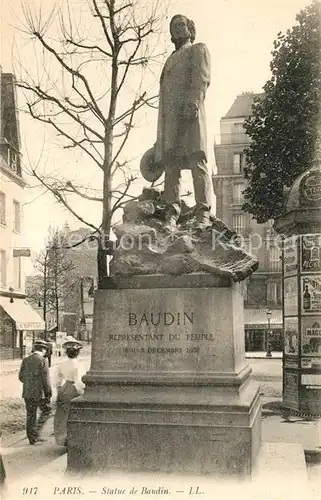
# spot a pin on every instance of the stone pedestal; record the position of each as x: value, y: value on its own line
x: 169, y: 387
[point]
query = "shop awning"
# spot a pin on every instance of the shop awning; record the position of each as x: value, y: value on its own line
x: 257, y: 318
x: 25, y: 317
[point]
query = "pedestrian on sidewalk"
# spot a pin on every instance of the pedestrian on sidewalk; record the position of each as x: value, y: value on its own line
x: 2, y: 474
x: 66, y: 377
x: 34, y: 374
x: 49, y: 350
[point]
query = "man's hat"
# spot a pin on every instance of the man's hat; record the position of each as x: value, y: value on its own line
x: 70, y: 341
x: 148, y: 168
x: 41, y: 343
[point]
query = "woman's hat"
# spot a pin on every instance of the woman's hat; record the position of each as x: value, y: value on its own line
x: 148, y: 168
x: 70, y: 341
x: 41, y: 343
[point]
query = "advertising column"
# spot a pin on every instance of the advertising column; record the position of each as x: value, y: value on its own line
x: 310, y: 322
x: 291, y: 330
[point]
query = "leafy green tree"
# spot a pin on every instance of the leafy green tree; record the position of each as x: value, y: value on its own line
x: 284, y: 122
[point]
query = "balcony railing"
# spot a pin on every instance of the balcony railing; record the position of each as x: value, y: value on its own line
x: 238, y: 200
x: 270, y: 267
x: 233, y: 138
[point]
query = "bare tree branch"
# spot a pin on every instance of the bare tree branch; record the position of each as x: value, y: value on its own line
x: 88, y: 47
x: 93, y: 104
x: 72, y: 189
x: 44, y: 96
x: 104, y: 27
x: 123, y: 195
x: 59, y: 197
x: 117, y: 11
x: 65, y: 134
x: 75, y: 96
x: 145, y: 101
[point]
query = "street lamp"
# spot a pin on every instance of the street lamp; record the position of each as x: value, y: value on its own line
x: 267, y: 339
x: 11, y: 290
x: 83, y: 316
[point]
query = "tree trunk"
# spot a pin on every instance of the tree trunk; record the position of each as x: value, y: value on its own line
x: 44, y: 306
x: 107, y: 166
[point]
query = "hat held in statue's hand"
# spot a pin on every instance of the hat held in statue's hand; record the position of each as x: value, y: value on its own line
x: 150, y: 170
x: 70, y: 341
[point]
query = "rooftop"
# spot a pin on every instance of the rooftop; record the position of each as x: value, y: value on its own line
x: 9, y: 125
x: 241, y: 107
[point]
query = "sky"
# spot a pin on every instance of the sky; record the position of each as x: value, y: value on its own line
x: 239, y: 35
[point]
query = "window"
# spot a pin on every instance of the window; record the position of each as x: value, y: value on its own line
x: 16, y: 216
x: 239, y: 224
x: 2, y: 208
x: 3, y: 267
x: 13, y: 160
x: 256, y: 292
x: 238, y: 197
x: 238, y: 128
x: 237, y: 163
x: 17, y: 272
x: 274, y: 259
x: 274, y: 293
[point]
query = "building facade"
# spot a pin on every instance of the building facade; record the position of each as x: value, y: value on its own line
x: 18, y: 321
x: 262, y: 290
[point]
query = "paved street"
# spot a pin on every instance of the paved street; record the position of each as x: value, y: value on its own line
x: 262, y: 369
x: 11, y: 387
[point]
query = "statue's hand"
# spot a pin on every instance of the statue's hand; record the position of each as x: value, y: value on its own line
x: 191, y: 111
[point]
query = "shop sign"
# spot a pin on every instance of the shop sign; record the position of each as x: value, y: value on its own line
x: 21, y: 252
x: 310, y: 188
x: 291, y: 362
x: 30, y: 326
x: 311, y: 253
x: 290, y: 255
x: 311, y: 379
x: 60, y: 336
x: 311, y: 336
x: 290, y: 296
x: 311, y: 294
x: 291, y: 388
x: 291, y: 335
x: 308, y: 363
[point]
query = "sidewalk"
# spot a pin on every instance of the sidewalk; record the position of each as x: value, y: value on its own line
x: 262, y: 354
x: 12, y: 365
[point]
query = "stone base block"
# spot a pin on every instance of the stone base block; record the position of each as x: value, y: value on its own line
x: 168, y: 388
x: 220, y: 439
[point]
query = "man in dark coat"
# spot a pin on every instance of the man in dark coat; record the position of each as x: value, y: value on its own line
x: 181, y: 129
x: 34, y: 374
x: 49, y: 350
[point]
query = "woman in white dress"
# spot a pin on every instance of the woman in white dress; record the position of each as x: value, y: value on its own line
x: 66, y: 378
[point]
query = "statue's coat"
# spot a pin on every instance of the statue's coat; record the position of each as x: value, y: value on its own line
x: 184, y: 80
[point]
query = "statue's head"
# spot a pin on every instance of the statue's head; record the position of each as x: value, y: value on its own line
x: 182, y: 28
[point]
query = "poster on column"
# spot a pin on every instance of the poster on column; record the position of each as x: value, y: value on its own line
x: 311, y: 294
x: 311, y: 253
x: 291, y: 296
x: 311, y: 336
x: 291, y: 335
x: 290, y: 253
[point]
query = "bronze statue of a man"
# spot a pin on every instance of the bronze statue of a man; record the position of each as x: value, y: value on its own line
x: 181, y: 128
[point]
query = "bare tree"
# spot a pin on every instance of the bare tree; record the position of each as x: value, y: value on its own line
x: 56, y: 280
x: 118, y: 41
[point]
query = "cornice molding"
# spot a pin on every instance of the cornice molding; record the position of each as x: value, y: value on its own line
x: 14, y: 177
